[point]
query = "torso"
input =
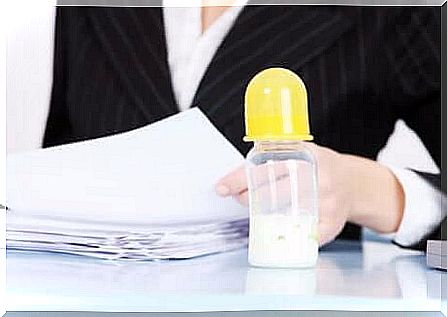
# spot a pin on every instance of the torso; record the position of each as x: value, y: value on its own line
x: 118, y: 75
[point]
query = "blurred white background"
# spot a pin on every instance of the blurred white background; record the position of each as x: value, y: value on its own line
x: 29, y: 71
x: 29, y: 78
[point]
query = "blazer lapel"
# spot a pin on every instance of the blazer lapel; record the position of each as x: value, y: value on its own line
x: 134, y: 42
x: 262, y: 37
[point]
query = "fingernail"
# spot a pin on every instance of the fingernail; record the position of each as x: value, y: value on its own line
x: 222, y: 190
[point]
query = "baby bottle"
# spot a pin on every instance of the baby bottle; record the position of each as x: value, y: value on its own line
x: 281, y: 172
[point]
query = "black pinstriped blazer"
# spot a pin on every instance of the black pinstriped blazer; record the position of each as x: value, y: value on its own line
x: 365, y: 67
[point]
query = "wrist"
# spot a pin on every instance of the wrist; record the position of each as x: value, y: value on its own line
x: 375, y: 194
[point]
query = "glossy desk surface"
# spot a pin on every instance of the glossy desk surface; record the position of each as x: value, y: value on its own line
x: 369, y: 275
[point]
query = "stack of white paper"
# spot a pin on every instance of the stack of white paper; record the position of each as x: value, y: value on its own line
x: 146, y: 194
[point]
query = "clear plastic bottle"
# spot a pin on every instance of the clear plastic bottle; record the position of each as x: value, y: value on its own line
x: 281, y: 172
x: 283, y: 205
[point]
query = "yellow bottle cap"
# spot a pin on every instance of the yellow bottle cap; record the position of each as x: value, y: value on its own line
x: 276, y: 107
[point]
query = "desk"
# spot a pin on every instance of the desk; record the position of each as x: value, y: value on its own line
x: 369, y: 275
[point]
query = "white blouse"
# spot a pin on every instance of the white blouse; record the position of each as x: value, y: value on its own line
x: 190, y: 51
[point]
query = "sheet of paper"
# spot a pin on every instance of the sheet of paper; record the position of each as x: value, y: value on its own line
x: 161, y: 173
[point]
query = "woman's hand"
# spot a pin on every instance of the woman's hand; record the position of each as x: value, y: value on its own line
x: 350, y: 189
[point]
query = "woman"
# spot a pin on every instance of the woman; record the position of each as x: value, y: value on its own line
x: 117, y: 69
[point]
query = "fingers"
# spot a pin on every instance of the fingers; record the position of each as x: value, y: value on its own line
x: 325, y: 233
x: 272, y: 185
x: 233, y: 183
x: 331, y: 221
x: 263, y: 194
x: 242, y: 198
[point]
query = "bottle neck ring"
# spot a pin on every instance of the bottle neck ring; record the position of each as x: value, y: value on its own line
x: 278, y: 145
